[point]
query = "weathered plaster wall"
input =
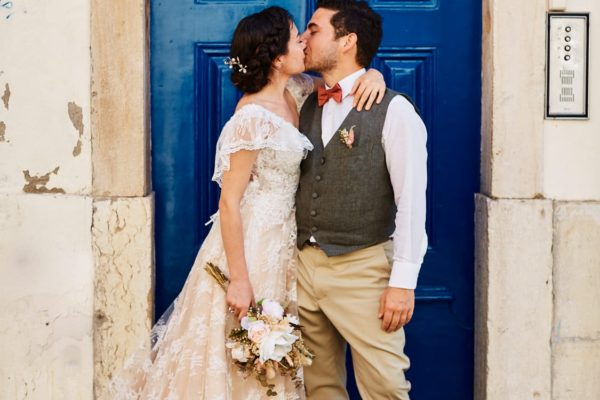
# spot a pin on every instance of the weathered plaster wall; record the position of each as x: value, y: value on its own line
x: 45, y: 107
x: 76, y: 211
x: 123, y: 311
x: 46, y: 262
x: 46, y: 297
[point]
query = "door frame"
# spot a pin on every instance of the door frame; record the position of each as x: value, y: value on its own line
x: 138, y: 39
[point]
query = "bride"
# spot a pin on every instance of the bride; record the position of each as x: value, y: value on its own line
x: 253, y: 237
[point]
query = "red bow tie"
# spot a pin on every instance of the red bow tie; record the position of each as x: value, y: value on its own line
x: 334, y: 93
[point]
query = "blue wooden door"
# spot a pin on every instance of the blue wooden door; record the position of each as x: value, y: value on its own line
x: 191, y: 100
x: 430, y: 50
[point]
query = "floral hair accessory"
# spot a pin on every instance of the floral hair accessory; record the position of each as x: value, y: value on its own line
x: 347, y: 136
x: 235, y: 61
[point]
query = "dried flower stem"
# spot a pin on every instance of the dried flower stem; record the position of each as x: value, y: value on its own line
x: 217, y: 275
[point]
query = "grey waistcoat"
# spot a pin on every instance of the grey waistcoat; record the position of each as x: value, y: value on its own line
x: 345, y: 198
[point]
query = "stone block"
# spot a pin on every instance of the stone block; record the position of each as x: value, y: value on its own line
x: 120, y: 98
x: 576, y: 370
x: 512, y: 101
x: 124, y: 257
x: 513, y: 297
x: 577, y: 270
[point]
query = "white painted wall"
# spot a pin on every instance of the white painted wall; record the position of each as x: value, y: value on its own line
x: 572, y: 148
x: 46, y: 258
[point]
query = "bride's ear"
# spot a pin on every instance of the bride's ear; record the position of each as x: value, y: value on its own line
x: 278, y: 63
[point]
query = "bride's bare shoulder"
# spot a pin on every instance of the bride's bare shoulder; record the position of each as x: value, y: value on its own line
x: 247, y: 99
x: 242, y: 102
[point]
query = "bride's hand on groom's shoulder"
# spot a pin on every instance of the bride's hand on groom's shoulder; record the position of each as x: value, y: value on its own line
x: 396, y: 308
x: 368, y: 88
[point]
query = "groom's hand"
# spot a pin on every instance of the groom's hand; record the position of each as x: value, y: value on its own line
x: 396, y: 308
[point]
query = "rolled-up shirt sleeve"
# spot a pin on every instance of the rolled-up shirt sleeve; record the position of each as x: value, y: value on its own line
x: 404, y: 141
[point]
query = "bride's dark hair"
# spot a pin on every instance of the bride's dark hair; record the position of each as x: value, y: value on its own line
x: 259, y: 39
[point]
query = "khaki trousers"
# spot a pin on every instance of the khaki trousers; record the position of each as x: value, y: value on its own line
x: 338, y: 300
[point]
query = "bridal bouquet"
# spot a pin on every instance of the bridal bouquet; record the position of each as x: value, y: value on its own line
x: 268, y: 342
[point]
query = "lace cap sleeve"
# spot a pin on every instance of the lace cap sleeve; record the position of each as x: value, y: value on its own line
x: 254, y: 128
x: 300, y: 86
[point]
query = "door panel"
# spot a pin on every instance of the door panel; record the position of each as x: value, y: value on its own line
x: 191, y: 100
x: 431, y: 51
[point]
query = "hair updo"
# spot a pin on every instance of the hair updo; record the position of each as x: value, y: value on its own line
x: 257, y: 41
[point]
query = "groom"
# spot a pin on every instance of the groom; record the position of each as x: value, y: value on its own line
x: 360, y: 213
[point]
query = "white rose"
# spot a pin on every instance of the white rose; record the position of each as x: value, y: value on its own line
x: 257, y: 331
x: 276, y: 345
x: 272, y: 309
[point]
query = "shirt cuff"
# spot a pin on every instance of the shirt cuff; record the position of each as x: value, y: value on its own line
x: 404, y: 275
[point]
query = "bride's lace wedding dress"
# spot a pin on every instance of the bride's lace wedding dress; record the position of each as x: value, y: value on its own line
x: 187, y: 359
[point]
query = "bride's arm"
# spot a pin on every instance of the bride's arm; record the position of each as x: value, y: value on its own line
x: 240, y: 294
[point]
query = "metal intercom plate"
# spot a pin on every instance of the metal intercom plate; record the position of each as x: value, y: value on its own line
x: 567, y: 66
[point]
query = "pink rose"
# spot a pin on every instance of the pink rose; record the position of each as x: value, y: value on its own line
x: 257, y: 331
x: 350, y: 137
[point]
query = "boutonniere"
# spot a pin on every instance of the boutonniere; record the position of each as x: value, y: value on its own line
x: 347, y: 136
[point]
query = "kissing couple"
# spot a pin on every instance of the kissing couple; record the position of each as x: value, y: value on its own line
x: 322, y: 209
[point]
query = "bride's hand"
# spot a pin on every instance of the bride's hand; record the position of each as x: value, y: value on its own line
x: 240, y: 297
x: 368, y: 88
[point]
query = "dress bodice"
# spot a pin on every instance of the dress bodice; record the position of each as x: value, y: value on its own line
x: 282, y: 147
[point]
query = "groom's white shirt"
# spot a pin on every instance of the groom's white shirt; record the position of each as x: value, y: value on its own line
x: 404, y: 142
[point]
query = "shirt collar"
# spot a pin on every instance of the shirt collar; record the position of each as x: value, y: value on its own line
x: 348, y: 81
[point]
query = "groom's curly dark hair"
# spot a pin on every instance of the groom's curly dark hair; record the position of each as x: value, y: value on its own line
x: 356, y: 17
x: 257, y: 41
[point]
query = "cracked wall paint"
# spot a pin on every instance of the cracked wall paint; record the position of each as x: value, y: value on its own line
x: 122, y: 235
x: 76, y: 117
x: 37, y: 184
x: 45, y: 99
x: 2, y: 131
x: 6, y: 96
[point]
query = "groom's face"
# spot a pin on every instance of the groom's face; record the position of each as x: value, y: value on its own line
x: 321, y: 44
